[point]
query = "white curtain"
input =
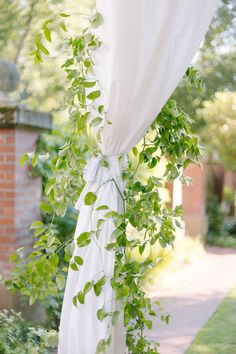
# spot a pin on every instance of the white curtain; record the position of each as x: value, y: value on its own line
x: 147, y: 46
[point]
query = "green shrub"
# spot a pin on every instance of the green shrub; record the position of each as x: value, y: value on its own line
x: 215, y: 220
x: 221, y: 230
x: 18, y: 336
x: 230, y: 226
x: 52, y: 306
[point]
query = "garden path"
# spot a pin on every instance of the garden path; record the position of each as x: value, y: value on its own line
x: 191, y: 295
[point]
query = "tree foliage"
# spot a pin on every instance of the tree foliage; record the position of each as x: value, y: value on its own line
x: 215, y: 61
x: 219, y: 133
x: 20, y: 20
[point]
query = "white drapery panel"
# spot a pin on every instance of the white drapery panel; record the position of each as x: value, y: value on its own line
x: 147, y: 46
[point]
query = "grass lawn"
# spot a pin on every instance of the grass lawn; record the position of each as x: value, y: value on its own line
x: 218, y: 336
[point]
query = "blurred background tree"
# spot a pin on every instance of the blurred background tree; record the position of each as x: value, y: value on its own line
x: 220, y: 117
x: 43, y: 88
x: 20, y: 21
x: 215, y: 61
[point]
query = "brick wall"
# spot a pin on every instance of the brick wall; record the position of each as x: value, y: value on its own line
x: 7, y: 194
x: 19, y: 193
x: 194, y: 201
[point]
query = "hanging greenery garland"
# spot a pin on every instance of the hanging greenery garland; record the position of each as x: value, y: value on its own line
x: 169, y: 136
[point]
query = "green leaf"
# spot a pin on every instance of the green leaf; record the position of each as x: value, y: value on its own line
x: 79, y: 260
x: 34, y: 160
x: 32, y: 300
x: 142, y: 248
x: 94, y: 95
x: 135, y: 151
x: 125, y: 290
x: 87, y: 63
x: 88, y: 286
x: 13, y: 257
x: 43, y: 49
x: 46, y: 23
x: 37, y: 57
x: 96, y: 121
x: 36, y: 225
x: 178, y: 224
x: 60, y: 281
x: 63, y: 26
x: 74, y: 266
x: 148, y: 324
x: 38, y: 39
x: 111, y: 214
x: 54, y: 260
x: 103, y: 344
x: 101, y: 314
x: 84, y: 239
x: 45, y: 207
x: 64, y: 15
x: 115, y: 317
x: 43, y: 157
x: 100, y: 109
x: 81, y: 297
x: 23, y: 159
x: 96, y: 20
x: 75, y: 300
x: 49, y: 186
x: 98, y: 285
x: 100, y: 222
x: 111, y: 246
x: 102, y: 207
x: 47, y: 34
x: 69, y: 249
x: 90, y: 198
x: 50, y: 339
x: 89, y: 84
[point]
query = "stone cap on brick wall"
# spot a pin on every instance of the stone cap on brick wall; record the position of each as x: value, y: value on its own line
x: 11, y: 113
x: 21, y: 116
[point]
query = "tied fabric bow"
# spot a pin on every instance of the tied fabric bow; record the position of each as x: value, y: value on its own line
x: 100, y: 170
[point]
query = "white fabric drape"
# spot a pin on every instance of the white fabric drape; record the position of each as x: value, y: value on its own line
x: 147, y: 46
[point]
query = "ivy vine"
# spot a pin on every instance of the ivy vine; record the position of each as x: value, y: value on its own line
x: 169, y: 136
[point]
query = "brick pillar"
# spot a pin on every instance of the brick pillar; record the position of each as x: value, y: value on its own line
x: 20, y: 193
x: 194, y: 201
x: 7, y: 195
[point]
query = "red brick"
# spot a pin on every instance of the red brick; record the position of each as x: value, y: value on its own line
x: 19, y: 194
x: 9, y: 157
x: 9, y: 229
x: 7, y: 131
x: 10, y: 194
x: 10, y: 139
x: 6, y: 203
x: 8, y: 239
x: 6, y: 148
x: 7, y: 167
x: 6, y: 185
x: 8, y: 212
x: 6, y: 221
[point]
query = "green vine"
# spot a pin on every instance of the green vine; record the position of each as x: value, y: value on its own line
x: 169, y: 137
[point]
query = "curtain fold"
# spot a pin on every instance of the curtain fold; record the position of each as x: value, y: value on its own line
x: 147, y: 47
